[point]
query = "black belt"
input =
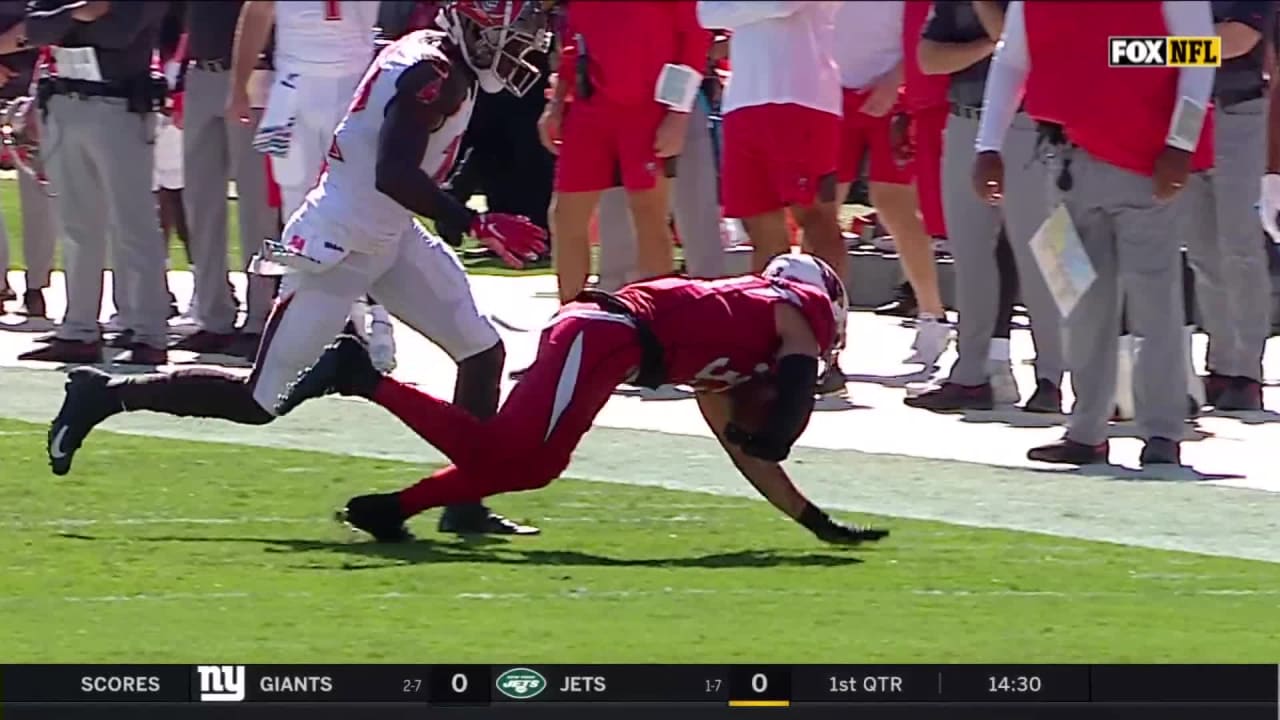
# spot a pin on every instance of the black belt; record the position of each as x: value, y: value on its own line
x: 966, y: 111
x: 653, y: 366
x: 213, y: 66
x: 1227, y: 99
x: 88, y: 88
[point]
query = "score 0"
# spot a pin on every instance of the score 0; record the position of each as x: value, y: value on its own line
x: 759, y: 686
x: 460, y: 685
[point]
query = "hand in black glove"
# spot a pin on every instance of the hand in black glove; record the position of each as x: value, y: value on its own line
x: 757, y: 446
x: 835, y: 532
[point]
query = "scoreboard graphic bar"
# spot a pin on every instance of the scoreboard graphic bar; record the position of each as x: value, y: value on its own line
x: 708, y: 686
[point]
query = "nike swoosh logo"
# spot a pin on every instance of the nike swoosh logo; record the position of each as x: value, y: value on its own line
x: 55, y: 448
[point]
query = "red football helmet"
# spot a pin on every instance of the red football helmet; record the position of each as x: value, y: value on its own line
x: 496, y: 37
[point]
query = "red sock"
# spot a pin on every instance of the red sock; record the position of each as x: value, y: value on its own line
x: 446, y: 486
x: 448, y: 427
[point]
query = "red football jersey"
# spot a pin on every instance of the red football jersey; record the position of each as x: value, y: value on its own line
x: 717, y: 334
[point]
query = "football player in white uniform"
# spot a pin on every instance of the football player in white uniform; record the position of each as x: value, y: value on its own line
x: 356, y: 233
x: 322, y: 48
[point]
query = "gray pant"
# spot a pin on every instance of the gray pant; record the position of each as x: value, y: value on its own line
x: 695, y: 203
x: 214, y: 150
x: 1233, y: 285
x: 100, y: 157
x: 974, y: 228
x: 1134, y: 245
x: 40, y: 229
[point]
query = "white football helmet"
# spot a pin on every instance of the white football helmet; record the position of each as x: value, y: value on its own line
x: 495, y: 37
x: 815, y: 272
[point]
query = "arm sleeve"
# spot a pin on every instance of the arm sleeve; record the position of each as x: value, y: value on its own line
x: 730, y: 14
x: 1189, y: 18
x: 48, y: 23
x: 1006, y: 81
x: 693, y: 41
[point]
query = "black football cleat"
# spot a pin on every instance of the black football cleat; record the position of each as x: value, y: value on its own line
x: 377, y: 515
x: 88, y: 402
x: 344, y: 368
x: 480, y: 520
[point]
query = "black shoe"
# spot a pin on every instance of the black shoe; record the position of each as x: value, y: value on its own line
x: 1214, y: 386
x: 903, y: 305
x: 344, y: 368
x: 378, y: 515
x: 7, y: 294
x: 1047, y: 398
x: 205, y: 342
x: 124, y: 340
x: 1242, y: 395
x: 1069, y: 452
x: 33, y: 304
x: 953, y: 397
x: 1160, y: 451
x: 88, y: 402
x: 246, y: 345
x: 480, y: 520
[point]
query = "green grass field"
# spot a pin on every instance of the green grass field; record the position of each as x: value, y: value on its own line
x: 11, y: 208
x: 167, y: 551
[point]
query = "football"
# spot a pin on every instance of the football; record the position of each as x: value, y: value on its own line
x: 752, y: 403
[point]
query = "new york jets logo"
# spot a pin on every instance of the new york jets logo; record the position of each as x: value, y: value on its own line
x: 521, y: 683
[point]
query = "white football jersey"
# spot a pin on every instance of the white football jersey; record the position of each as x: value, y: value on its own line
x: 347, y: 197
x: 328, y: 38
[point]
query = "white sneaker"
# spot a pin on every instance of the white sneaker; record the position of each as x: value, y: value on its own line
x: 932, y: 336
x: 382, y: 340
x: 1004, y: 388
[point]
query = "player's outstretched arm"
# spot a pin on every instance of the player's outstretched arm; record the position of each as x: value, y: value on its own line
x: 771, y: 481
x: 793, y: 383
x: 425, y: 97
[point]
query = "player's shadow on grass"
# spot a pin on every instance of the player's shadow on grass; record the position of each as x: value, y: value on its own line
x: 434, y: 552
x: 28, y: 325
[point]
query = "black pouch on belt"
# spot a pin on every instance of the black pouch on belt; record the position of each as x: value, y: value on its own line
x: 653, y: 367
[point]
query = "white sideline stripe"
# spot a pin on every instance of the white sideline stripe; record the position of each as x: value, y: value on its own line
x: 79, y: 522
x: 588, y: 594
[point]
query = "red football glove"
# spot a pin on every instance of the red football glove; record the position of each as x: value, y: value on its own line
x: 514, y: 238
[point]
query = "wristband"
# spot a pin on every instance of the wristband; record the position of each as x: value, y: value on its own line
x: 677, y: 87
x: 1188, y: 120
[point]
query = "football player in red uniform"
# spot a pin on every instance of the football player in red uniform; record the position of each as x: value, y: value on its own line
x: 714, y: 335
x: 356, y: 233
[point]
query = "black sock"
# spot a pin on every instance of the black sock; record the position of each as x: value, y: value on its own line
x: 195, y: 392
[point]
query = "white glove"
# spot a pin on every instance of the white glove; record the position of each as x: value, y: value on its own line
x: 1269, y: 205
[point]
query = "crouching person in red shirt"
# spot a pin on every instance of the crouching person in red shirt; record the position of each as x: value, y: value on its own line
x: 631, y: 71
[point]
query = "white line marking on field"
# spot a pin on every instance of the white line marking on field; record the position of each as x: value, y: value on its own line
x: 589, y: 594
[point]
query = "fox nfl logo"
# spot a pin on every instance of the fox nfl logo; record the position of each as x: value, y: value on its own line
x: 1165, y: 52
x: 221, y: 683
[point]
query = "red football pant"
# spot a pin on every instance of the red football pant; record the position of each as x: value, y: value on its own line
x: 775, y: 156
x: 581, y: 358
x: 928, y: 126
x: 604, y: 146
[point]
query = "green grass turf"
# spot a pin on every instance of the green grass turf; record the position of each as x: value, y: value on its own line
x: 166, y: 551
x: 11, y: 208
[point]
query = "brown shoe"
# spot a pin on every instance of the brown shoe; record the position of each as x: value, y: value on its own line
x: 144, y: 355
x: 1069, y: 452
x: 203, y: 341
x: 953, y: 397
x: 33, y: 304
x: 71, y: 352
